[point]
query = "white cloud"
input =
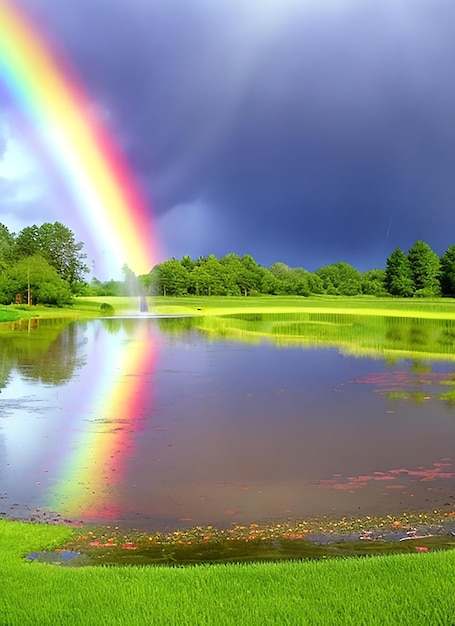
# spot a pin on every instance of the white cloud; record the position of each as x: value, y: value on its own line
x: 23, y: 185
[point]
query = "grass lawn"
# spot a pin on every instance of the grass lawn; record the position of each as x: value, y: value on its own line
x: 443, y: 308
x: 80, y: 309
x: 406, y: 589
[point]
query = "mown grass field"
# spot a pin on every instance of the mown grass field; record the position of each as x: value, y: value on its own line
x: 221, y: 305
x: 80, y: 309
x: 414, y: 590
x: 437, y: 308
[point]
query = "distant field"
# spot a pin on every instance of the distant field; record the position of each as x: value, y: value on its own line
x: 443, y: 308
x: 414, y: 589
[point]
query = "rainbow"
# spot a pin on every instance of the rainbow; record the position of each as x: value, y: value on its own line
x: 84, y: 158
x: 101, y: 424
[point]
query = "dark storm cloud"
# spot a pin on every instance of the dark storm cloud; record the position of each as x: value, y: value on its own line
x: 313, y: 132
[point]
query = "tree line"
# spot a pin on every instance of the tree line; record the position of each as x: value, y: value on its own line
x: 45, y: 264
x: 419, y: 273
x: 42, y: 264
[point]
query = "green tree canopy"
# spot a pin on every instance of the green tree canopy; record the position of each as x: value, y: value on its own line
x: 172, y: 278
x: 373, y: 283
x: 7, y: 245
x: 207, y: 278
x: 56, y: 243
x: 250, y: 276
x: 37, y: 275
x: 340, y: 279
x: 398, y: 275
x: 232, y: 272
x: 447, y: 276
x: 425, y: 268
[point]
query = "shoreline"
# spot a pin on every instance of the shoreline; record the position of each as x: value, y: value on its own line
x: 321, y: 530
x: 288, y: 540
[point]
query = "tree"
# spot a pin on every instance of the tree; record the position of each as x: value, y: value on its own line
x: 447, y: 276
x: 232, y: 272
x: 188, y: 263
x: 279, y: 281
x: 7, y: 245
x: 373, y: 283
x: 280, y: 270
x: 398, y: 275
x: 340, y: 279
x: 425, y: 268
x: 270, y: 283
x: 202, y: 281
x: 35, y: 276
x: 56, y: 243
x: 298, y: 282
x: 147, y: 283
x: 315, y: 283
x: 27, y: 242
x: 250, y: 276
x: 131, y: 284
x: 207, y: 278
x: 172, y: 278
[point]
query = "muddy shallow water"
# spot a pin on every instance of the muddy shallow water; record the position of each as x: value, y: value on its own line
x: 158, y: 425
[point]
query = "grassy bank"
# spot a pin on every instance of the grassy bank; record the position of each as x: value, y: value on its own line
x: 81, y: 309
x: 438, y: 308
x: 401, y: 589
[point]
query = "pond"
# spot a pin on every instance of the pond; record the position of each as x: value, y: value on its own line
x: 170, y: 423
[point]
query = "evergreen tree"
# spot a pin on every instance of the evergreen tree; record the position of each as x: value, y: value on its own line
x: 425, y: 269
x: 398, y: 275
x: 447, y: 277
x: 7, y: 245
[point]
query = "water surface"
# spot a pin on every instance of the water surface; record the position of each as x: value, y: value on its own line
x: 162, y: 423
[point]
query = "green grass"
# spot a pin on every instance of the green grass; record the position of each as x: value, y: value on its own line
x: 442, y: 308
x: 8, y: 315
x: 401, y: 589
x: 16, y: 317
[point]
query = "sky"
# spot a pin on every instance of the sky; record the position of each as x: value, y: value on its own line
x: 299, y: 131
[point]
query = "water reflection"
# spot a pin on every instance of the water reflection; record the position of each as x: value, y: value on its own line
x: 48, y: 353
x: 166, y: 422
